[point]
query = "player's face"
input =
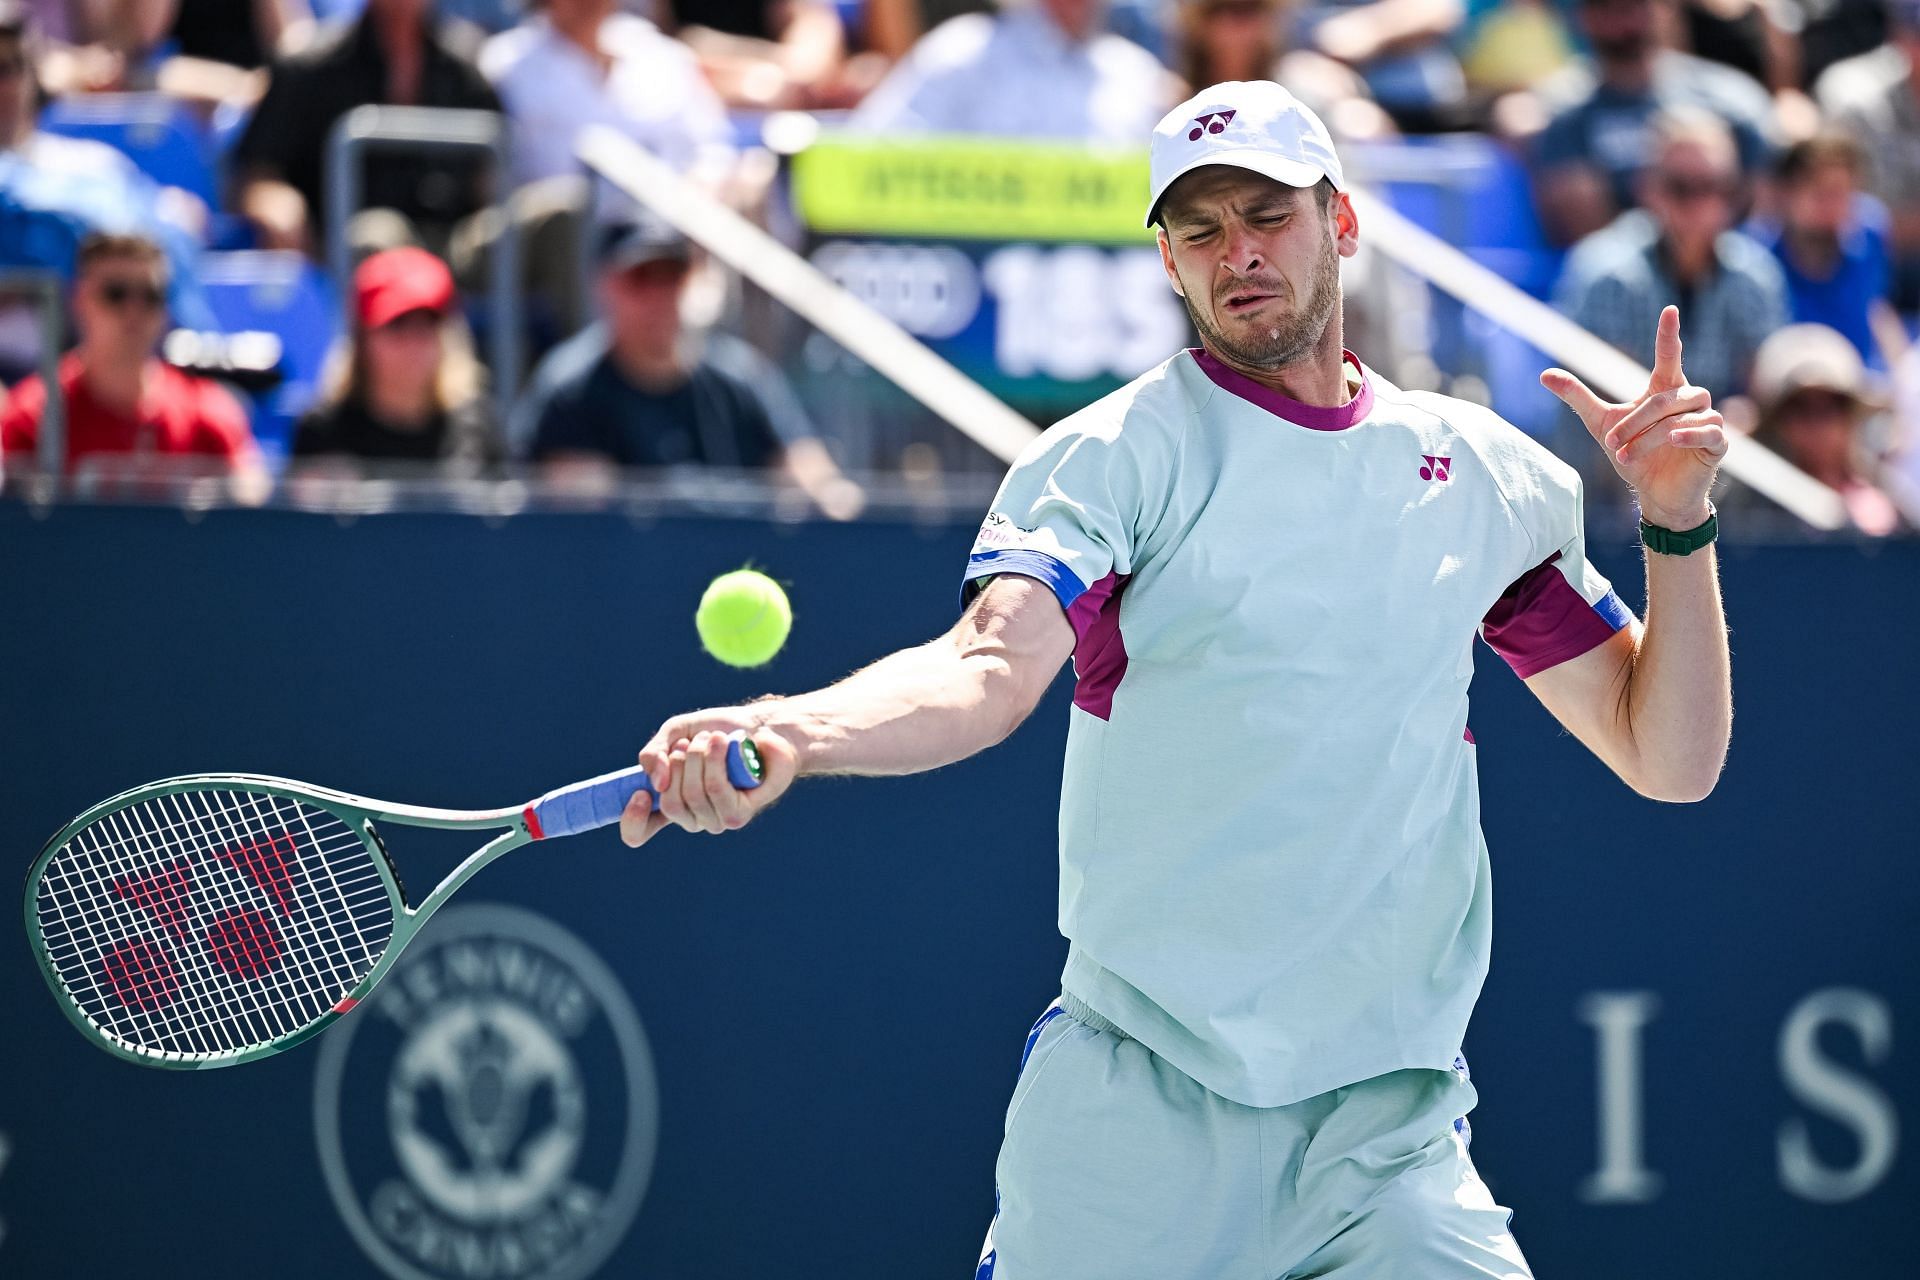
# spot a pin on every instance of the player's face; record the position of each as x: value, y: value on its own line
x: 1257, y: 262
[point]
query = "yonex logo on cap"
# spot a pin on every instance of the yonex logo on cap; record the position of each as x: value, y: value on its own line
x: 1212, y: 122
x: 1272, y: 133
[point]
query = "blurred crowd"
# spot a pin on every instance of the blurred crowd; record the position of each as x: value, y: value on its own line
x: 1755, y: 161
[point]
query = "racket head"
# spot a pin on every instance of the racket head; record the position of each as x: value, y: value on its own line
x: 214, y: 919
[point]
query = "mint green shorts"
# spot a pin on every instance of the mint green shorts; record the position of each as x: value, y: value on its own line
x: 1115, y: 1166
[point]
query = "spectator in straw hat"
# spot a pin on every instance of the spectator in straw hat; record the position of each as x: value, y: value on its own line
x: 1810, y: 388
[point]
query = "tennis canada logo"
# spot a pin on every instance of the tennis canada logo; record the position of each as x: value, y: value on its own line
x: 490, y: 1111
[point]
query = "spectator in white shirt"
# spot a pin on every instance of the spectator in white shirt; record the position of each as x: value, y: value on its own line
x: 570, y: 64
x: 1039, y: 69
x: 581, y: 62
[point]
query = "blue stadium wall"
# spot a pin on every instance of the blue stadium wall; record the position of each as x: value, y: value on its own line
x: 787, y: 1053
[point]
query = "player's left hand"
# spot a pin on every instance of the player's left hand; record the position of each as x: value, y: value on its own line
x: 1667, y: 445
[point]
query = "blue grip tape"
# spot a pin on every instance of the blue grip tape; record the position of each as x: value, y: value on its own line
x: 599, y: 802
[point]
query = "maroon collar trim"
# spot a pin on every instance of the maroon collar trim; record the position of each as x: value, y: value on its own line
x: 1313, y: 417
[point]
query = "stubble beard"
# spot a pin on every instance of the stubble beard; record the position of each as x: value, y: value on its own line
x: 1277, y: 344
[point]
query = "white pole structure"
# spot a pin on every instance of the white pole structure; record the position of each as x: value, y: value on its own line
x: 812, y: 295
x: 980, y: 416
x: 1609, y: 371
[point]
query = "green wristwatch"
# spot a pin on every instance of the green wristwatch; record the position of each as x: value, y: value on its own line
x: 1684, y: 542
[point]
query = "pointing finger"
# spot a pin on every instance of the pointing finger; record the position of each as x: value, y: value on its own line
x: 1576, y: 396
x: 1666, y: 352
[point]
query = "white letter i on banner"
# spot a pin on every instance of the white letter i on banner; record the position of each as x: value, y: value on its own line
x: 1617, y: 1017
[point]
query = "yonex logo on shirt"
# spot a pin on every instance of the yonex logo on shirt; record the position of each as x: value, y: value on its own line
x: 1212, y: 122
x: 1436, y: 468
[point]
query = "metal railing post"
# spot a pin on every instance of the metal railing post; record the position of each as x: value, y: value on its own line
x: 433, y: 130
x: 45, y: 289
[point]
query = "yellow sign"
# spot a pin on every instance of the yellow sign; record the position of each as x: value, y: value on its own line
x: 964, y: 188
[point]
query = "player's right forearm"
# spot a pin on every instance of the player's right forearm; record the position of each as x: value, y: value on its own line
x: 912, y: 711
x: 936, y: 703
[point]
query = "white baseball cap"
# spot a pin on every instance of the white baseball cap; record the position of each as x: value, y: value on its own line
x: 1254, y: 124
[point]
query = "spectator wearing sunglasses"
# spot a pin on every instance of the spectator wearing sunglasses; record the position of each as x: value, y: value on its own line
x: 1588, y: 159
x: 1680, y: 247
x: 127, y: 413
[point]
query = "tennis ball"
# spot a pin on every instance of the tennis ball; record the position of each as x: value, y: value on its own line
x: 743, y: 618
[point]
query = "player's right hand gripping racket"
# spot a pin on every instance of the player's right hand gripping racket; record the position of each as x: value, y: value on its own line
x: 214, y: 919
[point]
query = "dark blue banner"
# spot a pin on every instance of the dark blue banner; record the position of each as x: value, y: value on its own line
x: 786, y: 1052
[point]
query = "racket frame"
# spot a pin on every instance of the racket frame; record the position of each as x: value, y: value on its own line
x: 359, y: 814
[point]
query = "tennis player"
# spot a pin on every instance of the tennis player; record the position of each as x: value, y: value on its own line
x: 1268, y: 565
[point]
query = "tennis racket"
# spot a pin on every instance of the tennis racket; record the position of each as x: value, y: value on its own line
x: 219, y: 918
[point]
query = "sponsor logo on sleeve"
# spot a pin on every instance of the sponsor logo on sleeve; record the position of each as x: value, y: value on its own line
x: 998, y: 533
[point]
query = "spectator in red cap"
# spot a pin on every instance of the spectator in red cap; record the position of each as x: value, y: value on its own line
x: 128, y: 415
x: 407, y: 388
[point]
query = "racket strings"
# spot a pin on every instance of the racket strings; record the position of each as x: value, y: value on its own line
x: 225, y: 924
x: 203, y: 923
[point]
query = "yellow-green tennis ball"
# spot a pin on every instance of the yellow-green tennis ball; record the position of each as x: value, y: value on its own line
x: 743, y: 618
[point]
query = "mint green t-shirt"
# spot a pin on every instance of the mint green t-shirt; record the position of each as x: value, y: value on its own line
x: 1271, y: 866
